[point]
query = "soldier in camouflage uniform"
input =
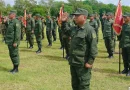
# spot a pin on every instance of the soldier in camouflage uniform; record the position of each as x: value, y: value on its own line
x: 108, y: 34
x: 3, y: 27
x: 93, y: 23
x: 12, y: 39
x: 65, y: 26
x: 98, y: 22
x: 83, y: 50
x: 43, y: 25
x: 30, y: 30
x: 49, y: 27
x: 124, y: 39
x: 38, y: 32
x: 22, y: 26
x: 54, y: 28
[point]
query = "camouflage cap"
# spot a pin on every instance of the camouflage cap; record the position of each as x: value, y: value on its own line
x: 126, y: 14
x: 80, y: 11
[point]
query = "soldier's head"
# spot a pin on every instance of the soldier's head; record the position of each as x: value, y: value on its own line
x: 80, y: 16
x: 29, y: 15
x: 126, y: 17
x: 48, y: 16
x: 91, y: 17
x: 38, y: 16
x: 12, y: 14
x: 109, y: 15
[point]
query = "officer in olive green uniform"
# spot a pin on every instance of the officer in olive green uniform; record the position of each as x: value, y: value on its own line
x: 83, y: 50
x: 22, y: 27
x: 12, y: 39
x: 60, y: 34
x: 125, y: 44
x: 30, y: 30
x: 93, y: 23
x: 49, y: 27
x: 3, y: 28
x: 54, y: 28
x: 98, y: 22
x: 43, y: 25
x: 108, y: 34
x: 66, y: 37
x: 38, y: 32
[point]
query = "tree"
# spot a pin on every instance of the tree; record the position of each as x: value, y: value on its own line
x: 48, y: 4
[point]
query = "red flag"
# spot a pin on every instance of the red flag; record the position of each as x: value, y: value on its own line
x: 60, y: 14
x: 118, y: 22
x: 24, y: 19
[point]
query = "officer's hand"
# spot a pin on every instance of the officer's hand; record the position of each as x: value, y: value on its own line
x: 88, y: 65
x: 15, y: 45
x: 64, y: 16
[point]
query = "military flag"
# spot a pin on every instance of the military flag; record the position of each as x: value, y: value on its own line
x: 118, y: 22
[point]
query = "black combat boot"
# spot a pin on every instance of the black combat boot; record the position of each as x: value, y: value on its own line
x: 38, y: 51
x: 128, y: 73
x: 125, y: 71
x: 15, y: 69
x: 31, y: 47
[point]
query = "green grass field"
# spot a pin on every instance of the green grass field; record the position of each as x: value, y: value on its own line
x: 49, y: 71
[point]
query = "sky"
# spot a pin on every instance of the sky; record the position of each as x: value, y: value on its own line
x: 124, y: 2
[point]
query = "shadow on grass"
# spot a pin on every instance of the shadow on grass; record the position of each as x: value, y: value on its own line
x: 55, y: 58
x: 26, y: 50
x: 105, y: 70
x: 3, y: 69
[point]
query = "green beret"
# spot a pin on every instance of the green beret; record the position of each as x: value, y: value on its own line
x: 12, y: 11
x: 38, y: 15
x: 80, y: 11
x: 126, y: 14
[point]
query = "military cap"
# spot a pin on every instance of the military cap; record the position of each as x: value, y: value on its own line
x: 38, y: 15
x: 109, y: 13
x: 126, y: 14
x: 91, y: 15
x: 12, y: 11
x: 80, y: 11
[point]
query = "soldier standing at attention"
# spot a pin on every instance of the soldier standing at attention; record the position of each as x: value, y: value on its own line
x: 108, y: 34
x: 12, y: 39
x: 54, y: 28
x: 4, y: 27
x: 30, y: 29
x: 38, y: 32
x: 83, y: 50
x: 98, y: 22
x: 65, y: 27
x: 22, y: 26
x: 49, y: 27
x: 125, y: 44
x: 43, y: 25
x: 93, y: 23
